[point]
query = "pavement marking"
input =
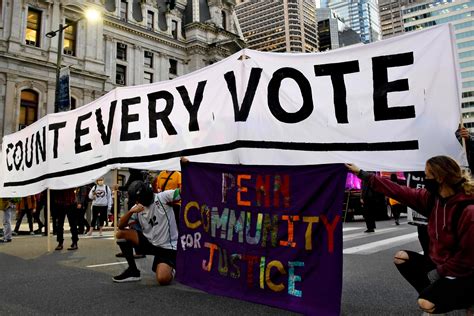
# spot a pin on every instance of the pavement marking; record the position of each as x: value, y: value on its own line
x: 346, y: 229
x: 355, y: 236
x: 380, y: 245
x: 106, y: 264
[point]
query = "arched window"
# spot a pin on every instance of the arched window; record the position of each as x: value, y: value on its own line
x: 28, y: 108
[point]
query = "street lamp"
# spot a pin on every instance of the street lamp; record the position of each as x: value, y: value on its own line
x: 89, y: 14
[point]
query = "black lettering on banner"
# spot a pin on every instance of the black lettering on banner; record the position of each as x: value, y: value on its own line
x: 127, y: 119
x: 40, y: 149
x: 337, y: 71
x: 29, y: 163
x: 105, y: 135
x: 163, y: 115
x: 241, y: 114
x: 382, y: 87
x: 56, y: 127
x: 81, y: 132
x: 9, y: 165
x: 192, y: 107
x: 18, y: 164
x: 274, y: 96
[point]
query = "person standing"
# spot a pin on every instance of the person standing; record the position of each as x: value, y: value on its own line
x: 101, y: 196
x: 26, y: 206
x: 395, y: 206
x: 40, y: 205
x: 81, y: 205
x: 64, y: 202
x: 367, y: 199
x: 8, y: 207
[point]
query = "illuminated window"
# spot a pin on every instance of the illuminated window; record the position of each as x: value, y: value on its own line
x: 70, y: 38
x: 33, y: 27
x: 28, y: 108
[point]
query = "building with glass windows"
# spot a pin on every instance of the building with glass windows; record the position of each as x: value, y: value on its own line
x: 461, y: 14
x: 135, y: 42
x: 391, y: 20
x: 279, y: 25
x: 333, y: 33
x: 362, y: 16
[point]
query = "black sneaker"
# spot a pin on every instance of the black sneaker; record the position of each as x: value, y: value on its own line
x: 127, y: 276
x: 370, y: 230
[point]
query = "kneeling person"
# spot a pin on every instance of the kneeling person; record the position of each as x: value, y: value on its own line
x: 159, y: 233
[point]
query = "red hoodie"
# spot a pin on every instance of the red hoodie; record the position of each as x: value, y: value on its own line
x: 455, y: 259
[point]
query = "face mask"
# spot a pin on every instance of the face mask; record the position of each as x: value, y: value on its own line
x: 432, y: 186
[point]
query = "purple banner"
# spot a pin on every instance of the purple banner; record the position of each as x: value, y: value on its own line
x: 265, y: 234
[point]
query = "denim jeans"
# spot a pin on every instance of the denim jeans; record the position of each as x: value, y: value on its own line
x: 7, y: 223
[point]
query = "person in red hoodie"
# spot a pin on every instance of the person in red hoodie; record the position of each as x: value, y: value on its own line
x: 445, y: 278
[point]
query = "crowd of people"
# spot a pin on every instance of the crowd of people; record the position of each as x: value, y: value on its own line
x: 443, y: 275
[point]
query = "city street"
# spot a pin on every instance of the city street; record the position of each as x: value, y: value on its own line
x: 35, y: 282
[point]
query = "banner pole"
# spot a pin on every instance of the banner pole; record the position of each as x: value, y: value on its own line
x: 48, y: 214
x: 115, y: 201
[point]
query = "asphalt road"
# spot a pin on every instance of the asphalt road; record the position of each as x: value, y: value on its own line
x: 37, y: 282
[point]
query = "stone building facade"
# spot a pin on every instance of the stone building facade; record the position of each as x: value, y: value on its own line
x: 135, y: 42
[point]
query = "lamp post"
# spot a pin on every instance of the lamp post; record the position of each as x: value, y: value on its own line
x: 90, y: 15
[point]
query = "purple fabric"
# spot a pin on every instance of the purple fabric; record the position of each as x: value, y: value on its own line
x: 305, y: 277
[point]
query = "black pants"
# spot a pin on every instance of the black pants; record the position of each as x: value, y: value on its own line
x: 99, y: 213
x: 369, y: 214
x: 396, y: 211
x: 29, y: 216
x: 36, y: 217
x: 71, y: 212
x: 446, y: 294
x: 82, y: 223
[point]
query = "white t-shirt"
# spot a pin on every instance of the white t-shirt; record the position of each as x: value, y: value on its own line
x: 158, y: 221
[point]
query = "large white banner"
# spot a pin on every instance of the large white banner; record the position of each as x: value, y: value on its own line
x: 389, y: 105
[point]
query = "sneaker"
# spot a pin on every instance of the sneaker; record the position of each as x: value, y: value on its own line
x: 120, y: 255
x: 73, y: 247
x: 397, y: 222
x: 127, y: 276
x: 5, y: 240
x: 370, y: 231
x: 59, y: 247
x: 32, y: 233
x: 14, y: 233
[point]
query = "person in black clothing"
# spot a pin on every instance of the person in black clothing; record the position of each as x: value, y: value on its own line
x: 135, y: 175
x: 40, y: 205
x: 371, y: 202
x: 463, y: 132
x: 82, y: 200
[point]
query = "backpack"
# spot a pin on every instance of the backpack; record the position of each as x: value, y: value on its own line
x: 106, y: 188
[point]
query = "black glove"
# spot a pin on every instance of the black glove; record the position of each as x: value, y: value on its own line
x: 433, y: 276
